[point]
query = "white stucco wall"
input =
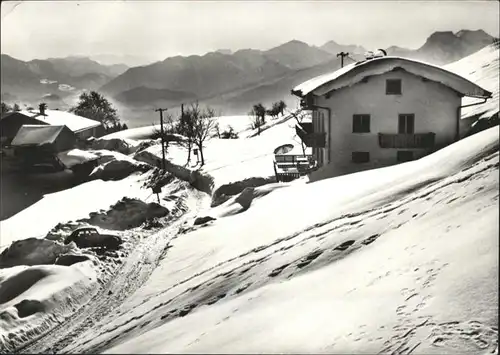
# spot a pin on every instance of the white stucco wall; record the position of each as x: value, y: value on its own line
x: 434, y: 106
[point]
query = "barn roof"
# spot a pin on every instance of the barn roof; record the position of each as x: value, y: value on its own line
x: 354, y: 73
x: 57, y: 118
x: 36, y: 135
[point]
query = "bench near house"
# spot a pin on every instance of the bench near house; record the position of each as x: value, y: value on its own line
x: 290, y: 163
x: 382, y: 111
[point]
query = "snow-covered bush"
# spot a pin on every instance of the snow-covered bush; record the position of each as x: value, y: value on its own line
x: 126, y: 214
x: 229, y: 133
x: 152, y: 223
x: 114, y: 144
x: 118, y: 169
x: 34, y: 251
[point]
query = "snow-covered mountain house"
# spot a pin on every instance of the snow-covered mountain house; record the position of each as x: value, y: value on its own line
x: 382, y: 111
x: 81, y: 126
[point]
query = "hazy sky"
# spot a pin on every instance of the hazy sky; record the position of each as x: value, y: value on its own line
x: 159, y: 29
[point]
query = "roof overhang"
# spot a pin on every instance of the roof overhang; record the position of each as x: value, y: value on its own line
x: 97, y: 124
x: 356, y: 72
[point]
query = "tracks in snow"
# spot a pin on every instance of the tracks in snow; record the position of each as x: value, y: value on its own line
x: 226, y: 279
x: 284, y: 258
x: 136, y: 269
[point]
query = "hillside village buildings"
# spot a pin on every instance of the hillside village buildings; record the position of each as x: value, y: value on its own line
x: 382, y: 111
x: 82, y: 127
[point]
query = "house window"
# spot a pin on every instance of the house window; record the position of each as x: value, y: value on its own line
x: 360, y: 157
x: 406, y: 123
x: 360, y: 123
x: 404, y: 155
x: 393, y: 87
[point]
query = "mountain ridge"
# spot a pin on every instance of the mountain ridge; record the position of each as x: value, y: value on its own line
x: 222, y: 77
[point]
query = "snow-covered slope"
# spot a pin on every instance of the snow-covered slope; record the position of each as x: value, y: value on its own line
x: 32, y: 296
x: 238, y: 123
x: 247, y: 160
x: 481, y: 68
x: 395, y: 260
x: 38, y: 219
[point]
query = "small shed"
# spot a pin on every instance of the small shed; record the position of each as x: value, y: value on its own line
x: 11, y: 122
x: 83, y: 128
x: 52, y: 139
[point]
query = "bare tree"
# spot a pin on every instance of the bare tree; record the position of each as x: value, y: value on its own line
x: 255, y: 121
x: 217, y: 129
x: 281, y: 107
x: 275, y: 110
x: 185, y: 127
x: 299, y: 117
x: 260, y: 111
x: 6, y: 108
x: 196, y: 125
x: 204, y: 123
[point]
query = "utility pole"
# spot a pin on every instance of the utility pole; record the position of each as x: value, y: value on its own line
x: 189, y: 146
x: 162, y: 137
x: 342, y: 55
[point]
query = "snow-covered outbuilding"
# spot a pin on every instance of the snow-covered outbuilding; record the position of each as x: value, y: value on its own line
x: 81, y: 126
x: 57, y: 138
x: 382, y: 111
x: 39, y: 144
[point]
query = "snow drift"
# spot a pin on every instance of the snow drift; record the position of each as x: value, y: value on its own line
x: 482, y: 68
x: 33, y: 296
x: 33, y: 251
x: 287, y: 276
x: 126, y: 214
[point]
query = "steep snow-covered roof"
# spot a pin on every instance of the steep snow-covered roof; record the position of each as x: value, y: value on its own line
x: 36, y: 135
x: 354, y: 73
x: 57, y: 118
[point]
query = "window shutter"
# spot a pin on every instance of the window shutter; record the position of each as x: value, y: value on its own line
x: 410, y: 123
x: 402, y: 124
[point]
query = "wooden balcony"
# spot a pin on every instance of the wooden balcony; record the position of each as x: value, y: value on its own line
x: 305, y: 127
x: 407, y: 141
x: 310, y: 138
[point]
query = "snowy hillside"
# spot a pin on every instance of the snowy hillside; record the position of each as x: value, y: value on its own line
x: 228, y: 162
x: 400, y: 260
x: 395, y: 260
x: 481, y: 68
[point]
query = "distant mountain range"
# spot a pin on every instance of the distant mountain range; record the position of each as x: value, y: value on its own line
x: 446, y: 47
x: 32, y: 80
x: 229, y: 81
x: 128, y: 60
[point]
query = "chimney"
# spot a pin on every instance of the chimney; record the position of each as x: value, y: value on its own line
x: 42, y: 108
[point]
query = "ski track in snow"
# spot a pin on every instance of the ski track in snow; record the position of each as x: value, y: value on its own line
x: 250, y: 270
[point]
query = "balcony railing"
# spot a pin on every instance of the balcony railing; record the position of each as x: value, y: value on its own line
x: 288, y: 167
x: 310, y: 138
x: 407, y: 141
